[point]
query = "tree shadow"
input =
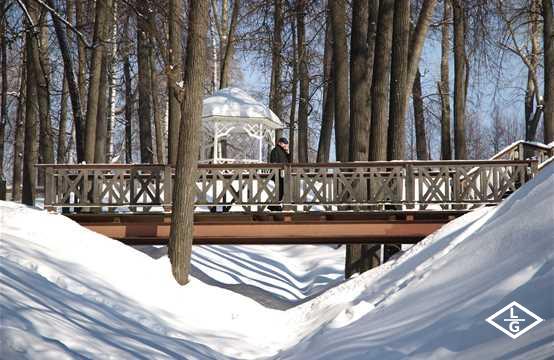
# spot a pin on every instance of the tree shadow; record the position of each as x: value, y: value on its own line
x: 84, y: 323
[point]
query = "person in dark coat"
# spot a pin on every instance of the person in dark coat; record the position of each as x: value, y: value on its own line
x: 280, y: 155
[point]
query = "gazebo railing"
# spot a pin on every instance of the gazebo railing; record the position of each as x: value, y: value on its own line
x: 253, y: 187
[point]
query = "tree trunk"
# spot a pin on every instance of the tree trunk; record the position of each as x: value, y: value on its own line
x: 39, y: 58
x: 158, y: 126
x: 30, y: 152
x: 417, y: 40
x: 340, y: 64
x: 275, y: 92
x: 102, y: 115
x: 4, y: 88
x: 533, y: 109
x: 303, y: 100
x: 65, y: 43
x: 294, y: 90
x: 380, y: 85
x: 419, y: 120
x: 459, y: 80
x: 144, y: 82
x: 548, y: 30
x: 181, y: 235
x: 327, y: 117
x: 360, y: 70
x: 174, y: 75
x: 227, y: 59
x: 406, y: 55
x: 399, y: 80
x: 80, y: 19
x: 19, y: 134
x: 444, y: 85
x: 62, y: 126
x: 128, y: 109
x: 99, y: 40
x: 364, y: 23
x: 104, y: 105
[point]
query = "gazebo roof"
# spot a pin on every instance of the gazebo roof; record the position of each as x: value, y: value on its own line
x: 234, y: 104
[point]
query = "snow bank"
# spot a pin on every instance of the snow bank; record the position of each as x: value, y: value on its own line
x: 69, y: 293
x: 433, y: 301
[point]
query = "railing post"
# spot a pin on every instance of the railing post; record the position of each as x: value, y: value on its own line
x: 534, y: 169
x: 168, y: 188
x: 287, y: 178
x: 49, y: 189
x: 520, y: 152
x: 410, y: 185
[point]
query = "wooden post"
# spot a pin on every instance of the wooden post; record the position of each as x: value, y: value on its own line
x: 520, y: 152
x: 410, y: 186
x: 168, y: 188
x: 534, y: 169
x: 49, y: 189
x: 287, y: 178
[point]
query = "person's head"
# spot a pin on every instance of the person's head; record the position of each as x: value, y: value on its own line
x: 283, y: 142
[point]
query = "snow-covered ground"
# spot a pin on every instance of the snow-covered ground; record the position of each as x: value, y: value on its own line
x: 69, y: 293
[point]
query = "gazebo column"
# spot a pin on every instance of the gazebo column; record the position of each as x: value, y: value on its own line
x: 260, y: 142
x: 216, y: 145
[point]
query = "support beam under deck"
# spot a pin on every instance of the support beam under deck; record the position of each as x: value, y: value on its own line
x: 278, y: 228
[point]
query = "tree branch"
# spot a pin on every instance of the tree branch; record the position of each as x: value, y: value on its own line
x: 66, y: 23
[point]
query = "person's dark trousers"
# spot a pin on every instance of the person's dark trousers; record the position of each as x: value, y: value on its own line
x: 281, y: 192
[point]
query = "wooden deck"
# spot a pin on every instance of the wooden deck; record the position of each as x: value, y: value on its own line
x: 274, y: 228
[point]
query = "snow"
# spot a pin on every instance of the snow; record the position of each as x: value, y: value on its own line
x: 69, y: 293
x: 234, y: 104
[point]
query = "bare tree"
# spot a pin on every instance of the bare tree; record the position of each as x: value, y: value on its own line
x: 129, y: 100
x: 327, y: 116
x: 276, y: 91
x: 144, y: 45
x: 228, y: 46
x: 364, y: 19
x: 30, y: 152
x: 340, y: 64
x: 303, y: 101
x: 100, y: 153
x: 294, y: 90
x: 399, y: 80
x: 360, y: 79
x: 39, y: 57
x: 548, y: 36
x: 444, y: 85
x: 181, y: 235
x: 70, y: 83
x: 158, y: 125
x: 380, y: 84
x: 405, y: 62
x: 174, y: 75
x: 19, y: 133
x: 99, y: 40
x: 459, y: 79
x: 4, y: 87
x: 419, y: 119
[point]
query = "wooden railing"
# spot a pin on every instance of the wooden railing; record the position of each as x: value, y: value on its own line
x: 522, y: 150
x: 252, y: 187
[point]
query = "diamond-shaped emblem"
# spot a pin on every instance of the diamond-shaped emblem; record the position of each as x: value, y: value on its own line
x: 514, y: 320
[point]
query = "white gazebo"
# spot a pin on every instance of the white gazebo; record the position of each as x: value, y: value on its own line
x: 236, y: 128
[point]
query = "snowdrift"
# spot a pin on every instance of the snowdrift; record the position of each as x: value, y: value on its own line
x: 69, y: 293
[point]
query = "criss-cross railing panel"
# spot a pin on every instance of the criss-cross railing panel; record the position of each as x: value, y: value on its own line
x: 358, y: 186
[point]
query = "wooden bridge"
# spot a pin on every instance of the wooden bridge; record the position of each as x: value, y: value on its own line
x: 361, y: 202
